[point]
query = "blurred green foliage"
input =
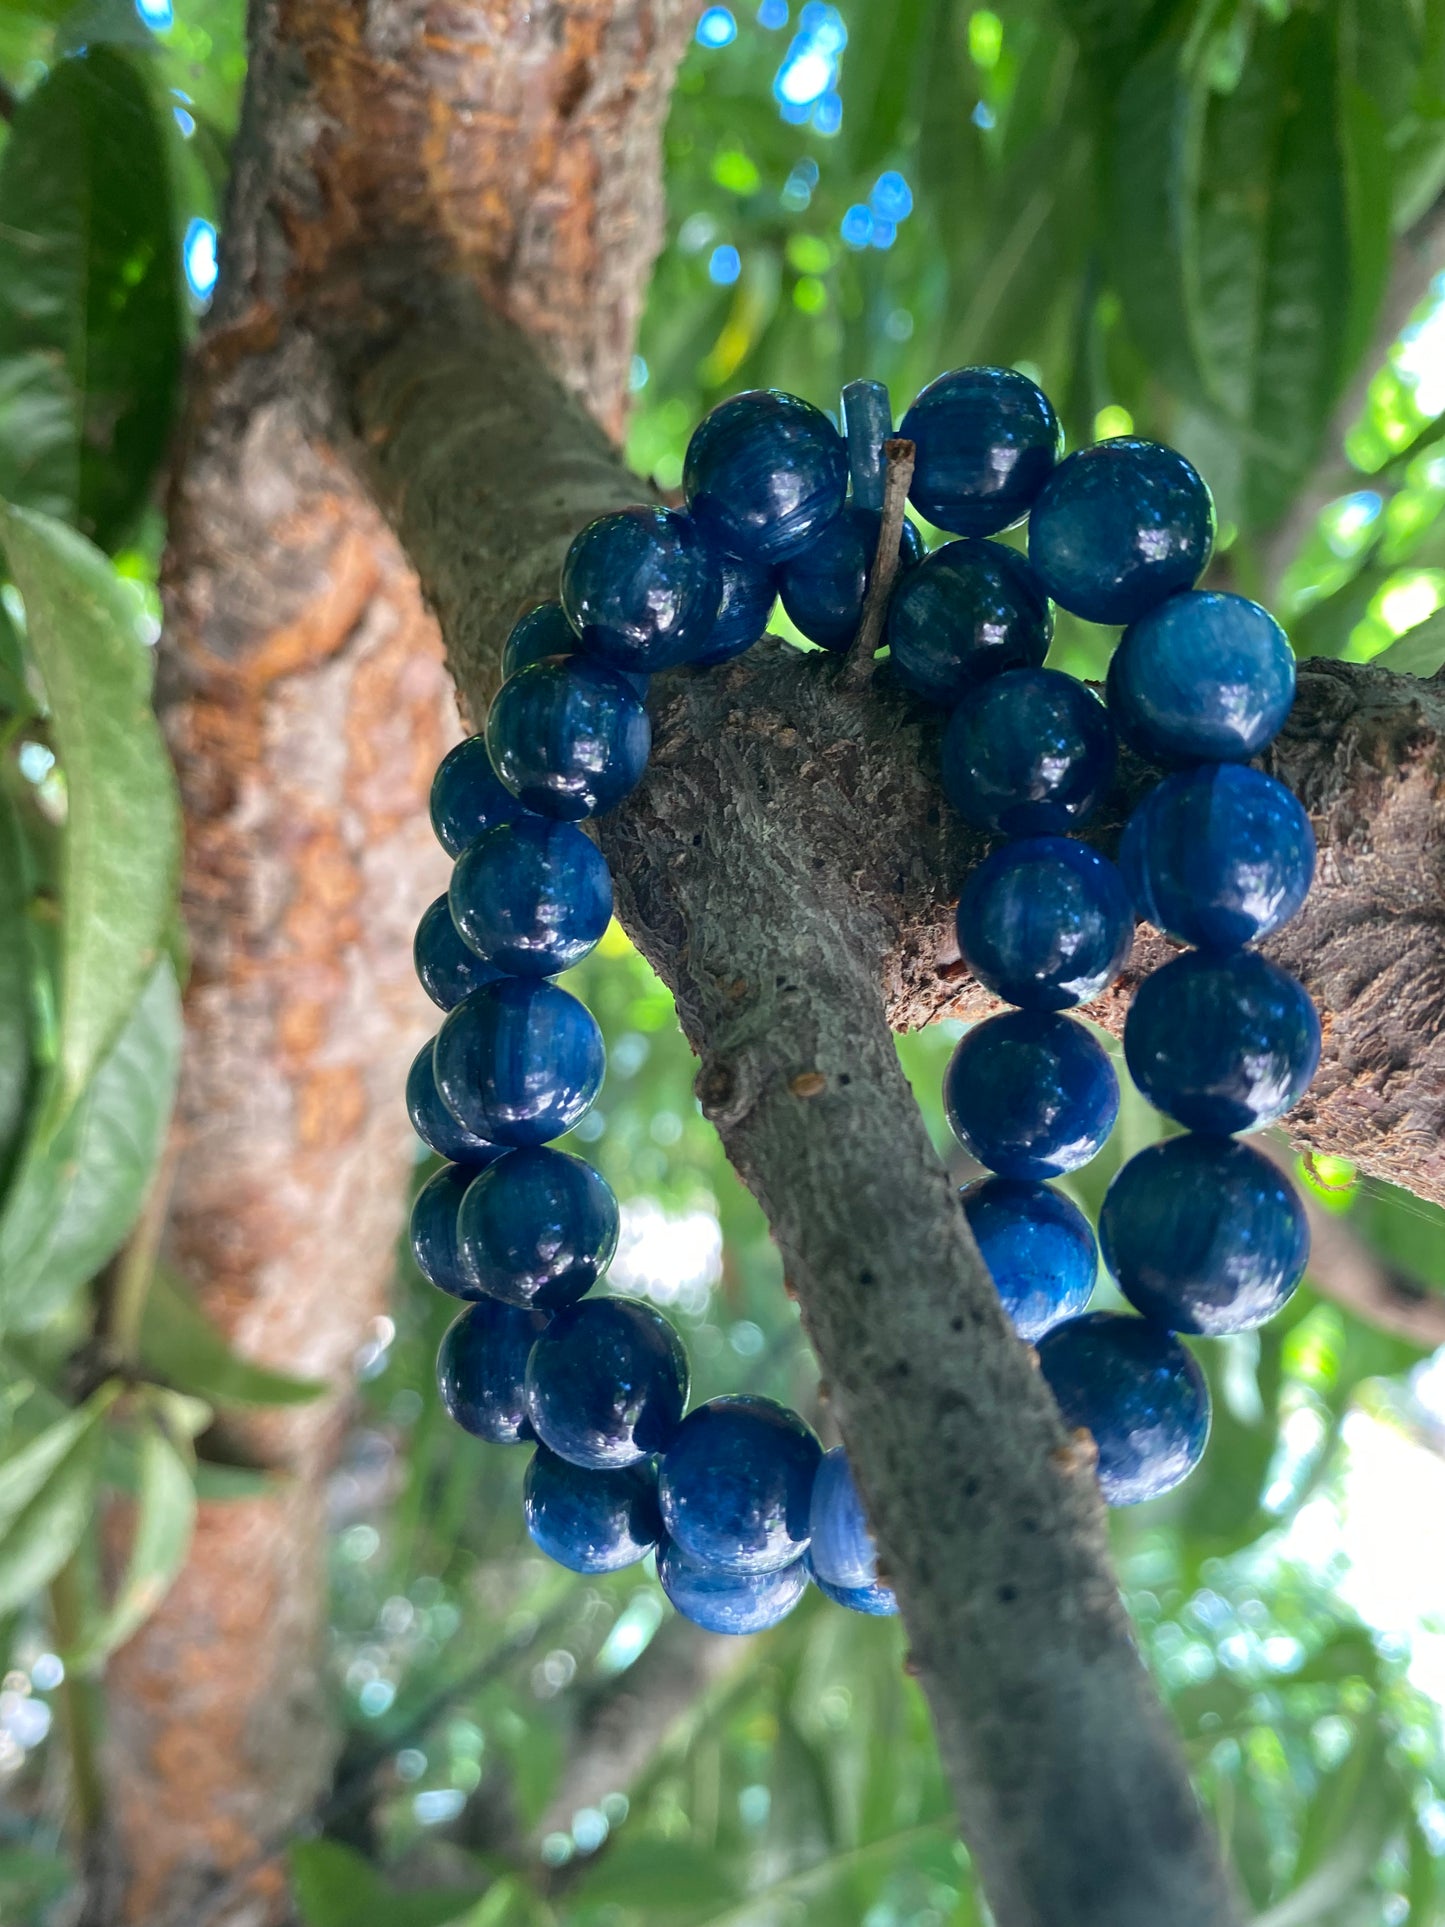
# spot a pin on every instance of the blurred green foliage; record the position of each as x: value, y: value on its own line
x: 1181, y: 218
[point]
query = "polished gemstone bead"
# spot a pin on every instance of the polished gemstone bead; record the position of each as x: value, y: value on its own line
x: 569, y: 738
x: 1045, y: 923
x: 519, y: 1061
x: 824, y: 585
x: 434, y: 1230
x: 608, y: 1383
x: 543, y: 631
x: 642, y: 588
x: 867, y: 424
x: 763, y: 473
x: 1204, y: 1235
x: 1118, y: 527
x: 1219, y: 856
x: 877, y: 1601
x: 729, y: 1602
x: 737, y: 1483
x: 748, y: 595
x: 1030, y: 1094
x: 447, y: 967
x: 987, y: 440
x: 467, y: 797
x: 1222, y: 1043
x: 842, y: 1549
x: 969, y: 610
x: 482, y: 1369
x: 434, y: 1123
x: 1038, y: 1248
x: 533, y: 897
x: 541, y: 1230
x: 1205, y: 677
x: 1029, y: 752
x: 1138, y: 1391
x: 591, y: 1521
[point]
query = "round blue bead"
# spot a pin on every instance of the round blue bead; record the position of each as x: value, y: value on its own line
x: 569, y: 737
x: 482, y: 1369
x: 541, y: 1230
x: 867, y: 425
x: 434, y: 1123
x: 642, y: 588
x: 987, y: 440
x: 1220, y: 855
x: 447, y: 967
x: 1038, y: 1248
x: 842, y: 1549
x: 1139, y: 1392
x: 434, y: 1230
x: 519, y: 1061
x: 878, y: 1602
x: 542, y: 632
x: 591, y: 1521
x: 1030, y: 1094
x: 1222, y: 1043
x: 737, y: 1483
x: 967, y: 611
x: 1029, y: 752
x: 748, y: 595
x: 467, y: 799
x: 763, y: 473
x: 1204, y: 1235
x: 1045, y: 923
x: 1205, y: 677
x: 533, y: 897
x: 1118, y: 527
x: 729, y: 1602
x: 824, y: 585
x: 608, y: 1383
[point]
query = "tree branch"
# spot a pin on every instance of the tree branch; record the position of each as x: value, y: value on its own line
x: 898, y: 457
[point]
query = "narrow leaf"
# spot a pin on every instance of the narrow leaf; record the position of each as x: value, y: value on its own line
x: 165, y: 1515
x: 16, y: 964
x: 336, y: 1887
x: 44, y: 1519
x: 1419, y: 652
x: 180, y: 1345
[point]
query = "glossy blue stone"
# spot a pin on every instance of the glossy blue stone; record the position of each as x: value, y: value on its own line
x: 1118, y: 527
x: 467, y: 798
x: 543, y: 631
x: 867, y: 424
x: 447, y: 967
x: 1030, y: 1094
x: 434, y: 1123
x: 482, y: 1370
x: 1219, y: 856
x: 608, y: 1383
x: 533, y: 897
x: 969, y: 610
x: 1138, y: 1391
x: 729, y: 1602
x: 1038, y: 1248
x: 764, y: 472
x: 987, y: 440
x: 642, y: 588
x: 737, y: 1483
x: 433, y: 1230
x: 748, y: 595
x: 541, y: 1230
x: 1202, y: 1234
x: 1029, y: 752
x: 1222, y: 1043
x: 877, y: 1601
x: 1045, y: 923
x: 1205, y: 677
x: 824, y: 585
x: 591, y: 1521
x: 569, y: 737
x: 841, y: 1549
x: 519, y: 1061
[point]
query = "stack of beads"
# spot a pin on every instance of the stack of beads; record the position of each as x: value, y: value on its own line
x: 736, y: 1497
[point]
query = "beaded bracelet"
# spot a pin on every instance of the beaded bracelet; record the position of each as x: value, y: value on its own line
x: 1201, y: 1233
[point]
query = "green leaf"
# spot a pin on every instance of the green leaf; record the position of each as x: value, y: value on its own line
x: 336, y: 1887
x: 29, y: 1879
x: 1358, y: 1806
x: 16, y: 964
x: 165, y: 1515
x: 122, y: 837
x: 1419, y: 652
x: 75, y: 1195
x: 47, y: 1497
x: 91, y: 315
x: 179, y: 1344
x: 658, y: 1878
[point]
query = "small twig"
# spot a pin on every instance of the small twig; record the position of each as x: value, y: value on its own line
x: 898, y: 457
x: 77, y: 1712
